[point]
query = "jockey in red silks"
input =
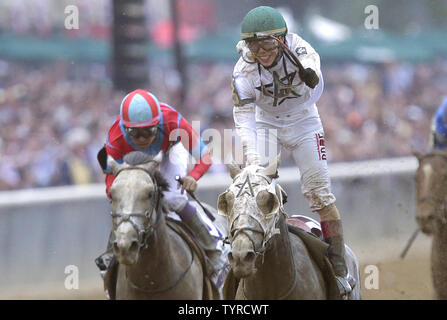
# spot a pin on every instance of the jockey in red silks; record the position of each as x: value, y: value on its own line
x: 146, y: 125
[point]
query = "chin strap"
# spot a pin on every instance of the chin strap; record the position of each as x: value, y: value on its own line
x: 289, y: 53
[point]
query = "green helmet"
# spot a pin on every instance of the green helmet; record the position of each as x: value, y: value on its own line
x: 263, y: 21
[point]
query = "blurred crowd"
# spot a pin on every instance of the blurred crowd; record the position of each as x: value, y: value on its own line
x: 54, y: 117
x: 47, y: 17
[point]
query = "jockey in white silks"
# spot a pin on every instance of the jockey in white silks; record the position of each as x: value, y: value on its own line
x: 274, y: 98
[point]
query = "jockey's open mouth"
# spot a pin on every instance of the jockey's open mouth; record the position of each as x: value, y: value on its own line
x: 266, y: 58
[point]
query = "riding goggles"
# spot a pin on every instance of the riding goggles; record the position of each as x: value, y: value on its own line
x: 145, y: 132
x: 266, y: 44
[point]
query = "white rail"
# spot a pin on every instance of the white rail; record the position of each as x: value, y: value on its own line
x: 345, y: 170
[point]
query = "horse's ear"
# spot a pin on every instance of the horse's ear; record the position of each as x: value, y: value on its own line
x: 417, y: 154
x: 272, y: 169
x: 234, y: 169
x: 113, y: 164
x: 158, y: 157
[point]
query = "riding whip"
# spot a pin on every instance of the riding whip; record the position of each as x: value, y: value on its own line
x: 209, y: 214
x: 295, y: 61
x: 410, y: 242
x: 289, y: 53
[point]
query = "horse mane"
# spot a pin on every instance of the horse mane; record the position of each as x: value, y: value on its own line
x: 161, y: 181
x: 137, y: 157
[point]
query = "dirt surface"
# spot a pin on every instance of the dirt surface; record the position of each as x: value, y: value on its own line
x: 397, y: 279
x: 407, y: 279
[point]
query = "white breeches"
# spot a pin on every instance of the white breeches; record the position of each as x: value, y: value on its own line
x: 175, y: 162
x: 309, y: 153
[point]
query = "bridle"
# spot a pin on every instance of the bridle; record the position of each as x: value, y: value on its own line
x: 145, y: 233
x: 258, y: 250
x: 435, y: 199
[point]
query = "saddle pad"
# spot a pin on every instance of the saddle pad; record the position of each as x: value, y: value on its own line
x: 307, y: 224
x: 213, y: 230
x: 317, y: 250
x: 210, y: 290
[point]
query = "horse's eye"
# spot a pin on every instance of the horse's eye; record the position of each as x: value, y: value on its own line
x: 266, y: 202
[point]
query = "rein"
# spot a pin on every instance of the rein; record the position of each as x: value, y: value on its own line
x: 169, y: 286
x: 235, y: 231
x: 292, y: 286
x: 144, y: 234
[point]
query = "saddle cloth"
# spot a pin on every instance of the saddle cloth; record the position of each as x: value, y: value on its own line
x: 307, y: 224
x: 210, y: 291
x: 309, y: 231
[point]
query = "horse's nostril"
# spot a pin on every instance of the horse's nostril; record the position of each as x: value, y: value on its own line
x: 230, y: 257
x: 250, y: 256
x: 134, y: 246
x: 116, y: 249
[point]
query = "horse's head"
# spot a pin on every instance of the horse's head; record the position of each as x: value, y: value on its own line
x: 251, y: 204
x: 135, y: 193
x: 431, y: 190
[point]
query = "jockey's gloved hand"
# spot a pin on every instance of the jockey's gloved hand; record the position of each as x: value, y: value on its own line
x: 189, y: 184
x: 309, y: 77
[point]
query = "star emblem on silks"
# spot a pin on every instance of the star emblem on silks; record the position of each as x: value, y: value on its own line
x: 246, y: 187
x: 278, y: 93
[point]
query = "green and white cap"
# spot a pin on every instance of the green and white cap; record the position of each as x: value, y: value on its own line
x: 261, y: 22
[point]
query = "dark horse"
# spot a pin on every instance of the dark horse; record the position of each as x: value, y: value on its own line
x: 431, y: 192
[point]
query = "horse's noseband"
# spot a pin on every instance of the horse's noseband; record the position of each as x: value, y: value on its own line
x: 236, y: 231
x: 144, y: 234
x: 249, y: 191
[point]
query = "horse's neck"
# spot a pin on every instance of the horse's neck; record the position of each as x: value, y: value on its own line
x: 277, y: 267
x: 155, y: 265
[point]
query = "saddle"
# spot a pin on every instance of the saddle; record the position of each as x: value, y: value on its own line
x: 307, y: 224
x: 309, y: 231
x: 210, y: 291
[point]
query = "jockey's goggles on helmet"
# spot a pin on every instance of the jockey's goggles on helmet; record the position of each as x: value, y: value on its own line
x: 267, y: 44
x: 145, y: 132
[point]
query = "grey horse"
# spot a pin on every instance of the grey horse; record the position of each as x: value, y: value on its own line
x: 271, y: 262
x: 155, y: 260
x: 431, y: 192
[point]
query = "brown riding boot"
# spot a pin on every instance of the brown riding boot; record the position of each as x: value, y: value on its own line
x: 333, y: 235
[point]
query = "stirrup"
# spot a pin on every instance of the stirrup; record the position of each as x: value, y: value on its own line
x: 103, y: 261
x: 216, y: 264
x: 345, y: 285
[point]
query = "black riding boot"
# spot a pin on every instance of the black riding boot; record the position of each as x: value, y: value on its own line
x: 333, y: 234
x: 103, y: 261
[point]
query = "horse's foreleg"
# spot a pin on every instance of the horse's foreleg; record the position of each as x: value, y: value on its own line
x: 439, y: 261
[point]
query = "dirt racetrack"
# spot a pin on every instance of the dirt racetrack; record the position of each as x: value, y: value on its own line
x: 398, y: 279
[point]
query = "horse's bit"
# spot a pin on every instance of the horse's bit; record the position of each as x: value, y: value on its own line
x: 144, y: 234
x: 247, y: 188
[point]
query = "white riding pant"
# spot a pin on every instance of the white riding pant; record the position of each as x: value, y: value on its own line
x: 309, y: 153
x: 175, y: 162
